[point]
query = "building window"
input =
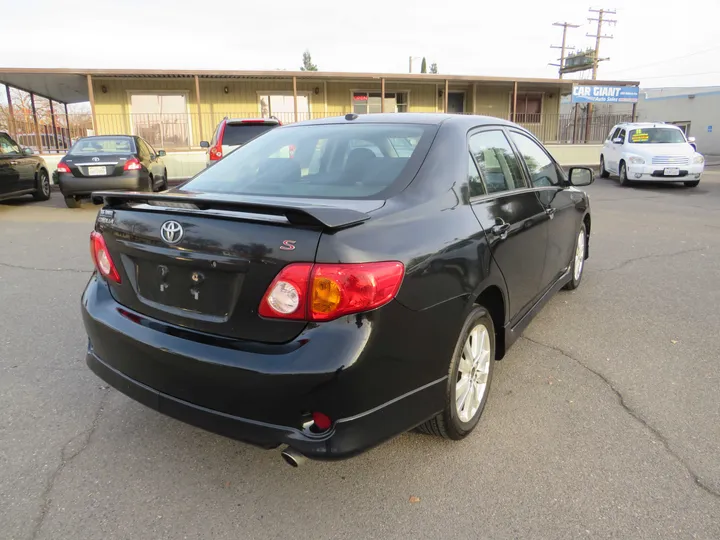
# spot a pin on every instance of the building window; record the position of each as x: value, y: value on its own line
x: 282, y: 107
x: 369, y: 102
x: 529, y: 108
x: 161, y: 119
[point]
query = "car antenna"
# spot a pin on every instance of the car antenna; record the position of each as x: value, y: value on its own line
x: 351, y: 116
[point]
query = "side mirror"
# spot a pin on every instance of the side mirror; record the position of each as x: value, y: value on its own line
x: 27, y: 152
x: 617, y: 140
x: 162, y: 153
x: 581, y: 176
x: 204, y: 144
x: 691, y: 139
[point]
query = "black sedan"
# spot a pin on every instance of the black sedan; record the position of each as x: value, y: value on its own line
x: 115, y: 162
x: 335, y: 297
x: 22, y: 172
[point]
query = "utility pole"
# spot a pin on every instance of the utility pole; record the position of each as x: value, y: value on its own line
x: 563, y: 47
x: 411, y: 60
x: 599, y: 35
x: 596, y: 57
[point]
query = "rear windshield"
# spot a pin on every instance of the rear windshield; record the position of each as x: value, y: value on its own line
x: 104, y: 145
x: 354, y: 161
x: 237, y: 134
x: 656, y: 136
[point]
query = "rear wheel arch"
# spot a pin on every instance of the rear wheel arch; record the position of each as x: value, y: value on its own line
x: 493, y: 299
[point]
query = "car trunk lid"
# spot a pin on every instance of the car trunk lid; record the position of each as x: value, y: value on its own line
x: 204, y: 262
x: 82, y: 166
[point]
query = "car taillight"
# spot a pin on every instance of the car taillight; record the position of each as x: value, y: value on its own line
x: 132, y: 164
x: 101, y: 257
x: 63, y: 168
x: 323, y: 292
x: 216, y: 153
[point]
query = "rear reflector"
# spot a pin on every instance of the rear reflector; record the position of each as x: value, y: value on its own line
x: 101, y: 257
x: 63, y: 168
x: 323, y: 292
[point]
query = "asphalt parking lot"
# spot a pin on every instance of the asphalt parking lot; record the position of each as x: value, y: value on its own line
x: 603, y: 421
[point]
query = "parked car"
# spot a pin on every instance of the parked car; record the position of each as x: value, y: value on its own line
x: 232, y: 133
x: 21, y: 172
x: 651, y: 152
x: 110, y: 162
x: 334, y: 299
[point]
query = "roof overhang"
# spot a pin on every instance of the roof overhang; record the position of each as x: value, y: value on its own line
x: 70, y: 85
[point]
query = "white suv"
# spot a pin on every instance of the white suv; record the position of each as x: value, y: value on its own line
x: 651, y: 152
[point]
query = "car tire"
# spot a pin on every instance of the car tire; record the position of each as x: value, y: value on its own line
x: 164, y: 184
x: 578, y: 261
x: 691, y: 183
x: 603, y: 171
x: 457, y: 420
x: 623, y: 175
x: 42, y: 189
x: 72, y: 202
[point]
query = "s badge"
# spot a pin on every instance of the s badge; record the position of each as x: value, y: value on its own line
x: 288, y: 245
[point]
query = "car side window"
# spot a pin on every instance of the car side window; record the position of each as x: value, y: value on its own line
x: 143, y: 150
x: 496, y: 161
x: 543, y: 172
x: 622, y: 135
x: 149, y: 147
x: 613, y: 133
x: 7, y: 145
x: 476, y: 186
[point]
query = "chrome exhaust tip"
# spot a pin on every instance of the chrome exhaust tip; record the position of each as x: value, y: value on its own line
x: 293, y: 457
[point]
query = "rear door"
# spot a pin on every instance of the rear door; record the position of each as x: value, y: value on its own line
x: 512, y: 216
x: 558, y: 203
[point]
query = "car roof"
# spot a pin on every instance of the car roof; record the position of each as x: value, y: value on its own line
x: 645, y: 124
x: 466, y: 120
x: 251, y: 121
x: 106, y: 136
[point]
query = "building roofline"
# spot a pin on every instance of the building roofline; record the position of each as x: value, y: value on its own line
x: 214, y: 74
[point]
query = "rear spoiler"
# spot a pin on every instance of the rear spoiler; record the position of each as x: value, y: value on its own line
x: 299, y: 214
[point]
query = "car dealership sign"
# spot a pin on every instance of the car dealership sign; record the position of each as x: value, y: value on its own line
x: 605, y: 94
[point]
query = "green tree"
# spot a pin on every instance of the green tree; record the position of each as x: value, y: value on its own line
x: 423, y: 66
x: 307, y: 62
x: 433, y: 68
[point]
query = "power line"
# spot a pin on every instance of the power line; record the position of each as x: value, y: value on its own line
x: 667, y: 60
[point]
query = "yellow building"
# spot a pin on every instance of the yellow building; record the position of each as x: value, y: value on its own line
x: 178, y: 109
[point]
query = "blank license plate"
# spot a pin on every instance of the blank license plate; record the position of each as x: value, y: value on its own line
x: 672, y: 171
x: 102, y: 171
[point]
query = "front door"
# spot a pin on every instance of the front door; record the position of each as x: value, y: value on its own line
x: 9, y: 157
x: 512, y: 217
x: 456, y: 102
x: 558, y: 203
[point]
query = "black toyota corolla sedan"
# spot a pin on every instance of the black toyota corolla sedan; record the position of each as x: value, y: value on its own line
x: 333, y: 297
x: 110, y: 162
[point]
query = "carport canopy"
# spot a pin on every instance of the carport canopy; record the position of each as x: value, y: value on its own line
x: 61, y: 87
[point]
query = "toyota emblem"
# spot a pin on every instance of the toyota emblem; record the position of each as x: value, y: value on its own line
x: 171, y: 232
x: 96, y: 159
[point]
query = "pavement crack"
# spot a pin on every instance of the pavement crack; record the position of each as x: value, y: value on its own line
x: 68, y: 453
x: 635, y: 415
x: 626, y: 262
x: 21, y: 267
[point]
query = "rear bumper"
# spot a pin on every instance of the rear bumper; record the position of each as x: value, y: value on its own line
x: 261, y: 394
x: 129, y: 181
x: 656, y: 173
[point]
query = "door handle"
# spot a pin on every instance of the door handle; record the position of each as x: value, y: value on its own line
x: 501, y: 229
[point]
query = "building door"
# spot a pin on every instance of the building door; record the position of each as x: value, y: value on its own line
x: 456, y: 102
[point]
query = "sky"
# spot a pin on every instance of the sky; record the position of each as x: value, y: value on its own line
x: 659, y: 43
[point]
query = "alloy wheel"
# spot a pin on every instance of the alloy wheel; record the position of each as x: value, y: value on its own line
x: 473, y: 372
